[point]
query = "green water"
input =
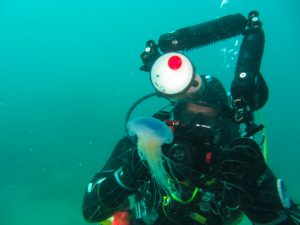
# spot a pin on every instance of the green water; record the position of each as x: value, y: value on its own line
x: 70, y: 70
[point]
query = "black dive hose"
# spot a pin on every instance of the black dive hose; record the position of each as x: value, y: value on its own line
x: 128, y: 114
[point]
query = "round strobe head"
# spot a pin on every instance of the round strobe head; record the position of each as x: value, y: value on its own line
x: 172, y: 73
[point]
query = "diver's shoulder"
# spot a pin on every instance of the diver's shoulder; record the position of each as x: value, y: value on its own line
x: 126, y: 140
x: 124, y: 144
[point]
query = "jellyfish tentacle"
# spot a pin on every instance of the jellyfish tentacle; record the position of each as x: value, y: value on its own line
x: 151, y: 135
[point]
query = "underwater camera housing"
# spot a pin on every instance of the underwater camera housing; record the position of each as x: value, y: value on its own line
x: 190, y: 147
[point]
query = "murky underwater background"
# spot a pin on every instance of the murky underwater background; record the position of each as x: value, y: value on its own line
x: 70, y: 70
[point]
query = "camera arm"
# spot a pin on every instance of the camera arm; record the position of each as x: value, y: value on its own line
x: 192, y: 37
x: 249, y: 90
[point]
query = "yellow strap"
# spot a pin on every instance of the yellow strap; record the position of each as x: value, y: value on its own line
x: 107, y: 221
x: 176, y: 198
x: 265, y: 146
x: 197, y: 217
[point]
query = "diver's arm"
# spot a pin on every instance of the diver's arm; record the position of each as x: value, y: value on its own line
x: 270, y: 203
x: 259, y: 193
x: 102, y: 196
x: 114, y: 183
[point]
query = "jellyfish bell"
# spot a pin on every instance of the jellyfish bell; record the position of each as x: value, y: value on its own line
x: 151, y: 134
x: 147, y: 127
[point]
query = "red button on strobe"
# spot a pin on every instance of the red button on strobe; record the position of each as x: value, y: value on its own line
x: 174, y: 62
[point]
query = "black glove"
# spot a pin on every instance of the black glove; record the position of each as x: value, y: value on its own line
x: 132, y: 177
x: 240, y: 166
x: 133, y: 172
x: 242, y: 163
x: 122, y: 174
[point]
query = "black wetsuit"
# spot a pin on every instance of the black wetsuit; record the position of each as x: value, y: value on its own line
x: 224, y: 193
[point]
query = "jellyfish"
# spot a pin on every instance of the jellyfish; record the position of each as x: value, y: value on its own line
x: 151, y: 134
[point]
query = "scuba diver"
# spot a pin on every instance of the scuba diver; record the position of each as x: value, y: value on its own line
x: 197, y: 163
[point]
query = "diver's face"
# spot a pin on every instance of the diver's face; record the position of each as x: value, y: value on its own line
x: 195, y: 113
x: 200, y: 118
